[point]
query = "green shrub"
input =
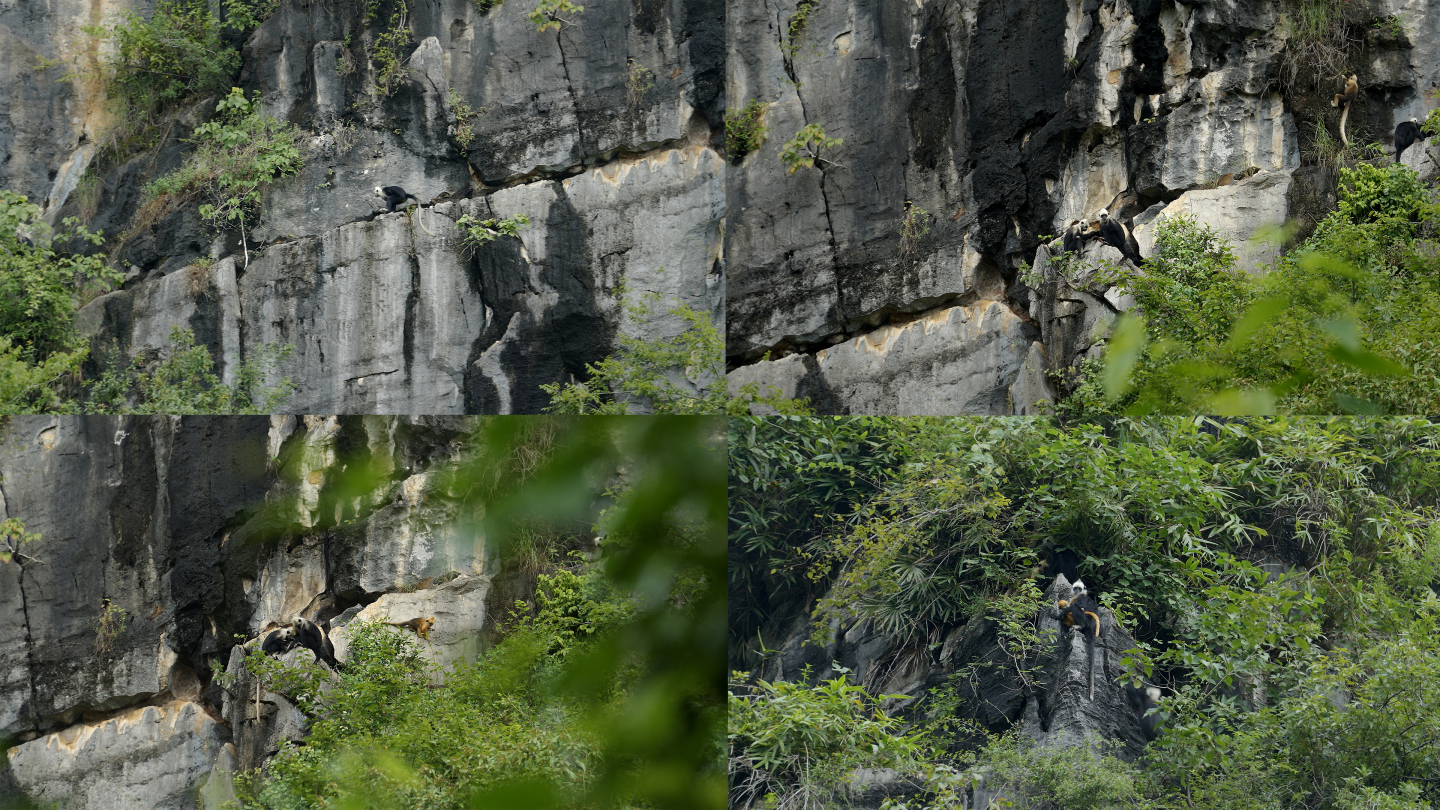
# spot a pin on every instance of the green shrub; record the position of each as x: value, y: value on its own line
x: 743, y: 131
x: 803, y: 150
x: 184, y: 382
x: 795, y: 745
x: 479, y: 233
x: 237, y: 154
x: 683, y: 374
x: 546, y: 16
x: 41, y: 283
x: 386, y: 55
x: 174, y: 57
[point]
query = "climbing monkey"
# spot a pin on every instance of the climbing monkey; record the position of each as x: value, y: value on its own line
x: 1080, y: 611
x: 1347, y: 98
x: 420, y: 627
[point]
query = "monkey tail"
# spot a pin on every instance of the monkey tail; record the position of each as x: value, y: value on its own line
x: 421, y: 219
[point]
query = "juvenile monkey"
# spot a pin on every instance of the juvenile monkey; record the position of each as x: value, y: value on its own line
x: 1347, y: 98
x: 1081, y: 611
x: 420, y: 627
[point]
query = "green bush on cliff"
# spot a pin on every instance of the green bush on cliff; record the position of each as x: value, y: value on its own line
x: 237, y: 154
x: 175, y: 56
x: 184, y: 382
x: 1346, y: 322
x: 682, y: 374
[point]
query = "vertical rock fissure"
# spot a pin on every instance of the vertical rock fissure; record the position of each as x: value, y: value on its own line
x: 824, y: 195
x: 412, y: 307
x: 574, y: 99
x: 29, y: 646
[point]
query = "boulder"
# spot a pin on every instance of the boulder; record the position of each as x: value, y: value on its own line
x: 147, y: 758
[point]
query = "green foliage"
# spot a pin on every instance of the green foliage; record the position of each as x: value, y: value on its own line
x: 794, y: 745
x: 12, y: 535
x: 244, y: 15
x: 1071, y: 778
x: 790, y: 477
x: 174, y: 57
x: 108, y: 626
x: 184, y: 382
x: 631, y: 715
x: 465, y: 116
x: 1431, y: 125
x: 679, y: 375
x: 479, y: 233
x: 237, y: 154
x: 913, y: 227
x: 743, y: 131
x: 638, y: 81
x: 1280, y: 693
x: 386, y: 53
x: 1391, y: 197
x: 795, y: 29
x: 41, y: 282
x: 1334, y: 327
x: 803, y: 150
x: 546, y: 16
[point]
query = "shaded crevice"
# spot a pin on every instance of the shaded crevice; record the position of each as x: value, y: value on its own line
x: 570, y: 85
x: 29, y: 651
x: 889, y: 315
x: 412, y: 306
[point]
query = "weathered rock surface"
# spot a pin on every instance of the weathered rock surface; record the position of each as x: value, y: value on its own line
x: 1003, y: 122
x: 142, y: 759
x: 458, y: 608
x: 1238, y: 212
x: 963, y: 359
x: 604, y: 134
x: 198, y: 529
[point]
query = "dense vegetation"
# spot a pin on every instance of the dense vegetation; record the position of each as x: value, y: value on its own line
x: 923, y: 524
x: 42, y: 356
x: 1344, y: 323
x: 604, y: 688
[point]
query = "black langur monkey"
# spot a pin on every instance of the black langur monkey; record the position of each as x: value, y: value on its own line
x: 1144, y: 700
x: 394, y: 196
x: 1406, y: 133
x: 310, y: 636
x: 1082, y: 612
x: 1074, y: 237
x: 1114, y: 233
x: 278, y: 641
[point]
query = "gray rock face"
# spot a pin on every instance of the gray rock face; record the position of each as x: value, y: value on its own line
x: 458, y: 608
x: 955, y: 360
x: 603, y: 134
x: 144, y: 759
x: 200, y: 529
x: 1238, y: 212
x: 1003, y: 121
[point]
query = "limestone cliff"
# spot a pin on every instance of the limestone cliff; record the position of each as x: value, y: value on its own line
x: 604, y: 134
x: 200, y: 529
x: 1003, y: 121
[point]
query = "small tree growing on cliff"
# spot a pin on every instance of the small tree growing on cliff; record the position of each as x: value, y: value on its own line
x: 803, y: 150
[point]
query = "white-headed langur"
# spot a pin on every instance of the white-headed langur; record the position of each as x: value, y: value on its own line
x: 1074, y: 237
x: 1143, y: 700
x: 396, y: 196
x: 1082, y: 612
x: 310, y: 636
x: 1114, y: 233
x: 1406, y: 133
x: 278, y: 641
